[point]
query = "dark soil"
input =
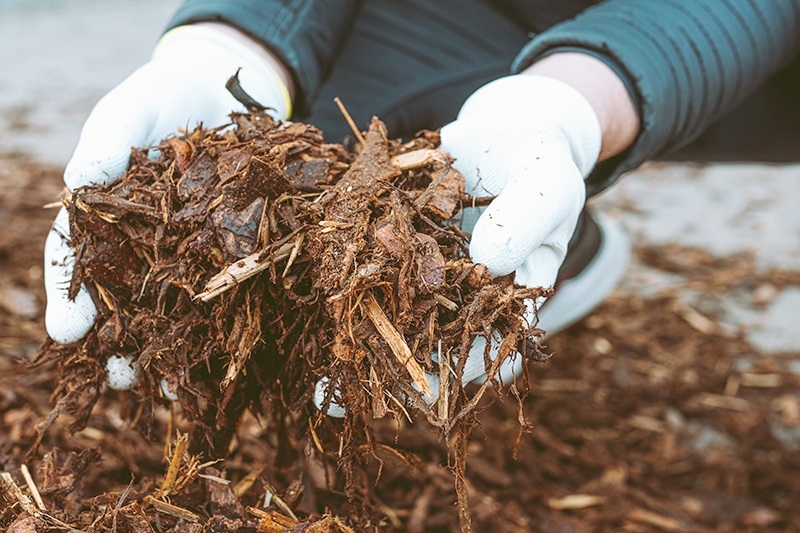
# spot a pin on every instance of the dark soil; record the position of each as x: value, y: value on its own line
x: 640, y: 421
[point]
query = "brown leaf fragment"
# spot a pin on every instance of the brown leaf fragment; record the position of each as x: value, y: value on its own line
x: 222, y: 497
x: 233, y: 162
x: 389, y: 237
x: 445, y: 200
x: 478, y: 276
x: 308, y: 176
x: 237, y: 230
x: 431, y: 262
x: 26, y: 523
x: 184, y: 152
x: 198, y: 179
x: 60, y: 473
x: 264, y: 178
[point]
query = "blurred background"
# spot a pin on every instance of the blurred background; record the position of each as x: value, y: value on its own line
x: 58, y: 57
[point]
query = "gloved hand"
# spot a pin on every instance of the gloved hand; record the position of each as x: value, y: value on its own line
x: 530, y: 141
x: 182, y: 86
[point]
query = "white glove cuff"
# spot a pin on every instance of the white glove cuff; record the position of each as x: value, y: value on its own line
x: 539, y: 101
x: 258, y: 77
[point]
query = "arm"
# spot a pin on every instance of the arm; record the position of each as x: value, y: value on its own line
x: 684, y: 66
x: 603, y: 89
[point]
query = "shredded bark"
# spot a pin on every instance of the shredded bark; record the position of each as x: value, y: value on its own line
x: 652, y: 415
x: 247, y: 263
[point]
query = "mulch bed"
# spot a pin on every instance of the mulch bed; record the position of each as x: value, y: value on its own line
x: 643, y: 419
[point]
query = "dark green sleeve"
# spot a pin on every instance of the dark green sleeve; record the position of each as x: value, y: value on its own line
x: 305, y: 34
x: 685, y: 63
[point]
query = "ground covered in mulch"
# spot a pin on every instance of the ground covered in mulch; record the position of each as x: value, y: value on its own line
x: 649, y: 416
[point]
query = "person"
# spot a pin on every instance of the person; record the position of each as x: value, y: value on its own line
x: 543, y: 104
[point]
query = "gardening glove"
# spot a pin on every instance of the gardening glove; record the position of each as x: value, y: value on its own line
x: 182, y: 86
x: 529, y: 141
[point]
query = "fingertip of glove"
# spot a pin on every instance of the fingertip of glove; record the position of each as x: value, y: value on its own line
x: 65, y: 335
x: 122, y: 371
x: 95, y: 170
x: 493, y: 250
x: 69, y: 321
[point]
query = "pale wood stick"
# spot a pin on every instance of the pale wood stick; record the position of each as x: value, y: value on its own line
x: 241, y: 270
x: 396, y: 342
x: 32, y: 487
x: 172, y: 510
x: 349, y: 120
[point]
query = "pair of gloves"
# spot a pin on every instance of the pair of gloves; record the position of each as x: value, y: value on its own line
x: 528, y: 140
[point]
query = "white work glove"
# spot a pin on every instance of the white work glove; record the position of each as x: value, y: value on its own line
x: 530, y: 141
x: 182, y: 86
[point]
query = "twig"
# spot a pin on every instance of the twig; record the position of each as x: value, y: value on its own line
x: 174, y: 464
x: 20, y: 496
x: 417, y: 158
x: 298, y: 243
x: 172, y: 510
x: 32, y: 487
x: 282, y: 504
x: 350, y: 121
x: 396, y: 342
x: 241, y: 270
x: 444, y: 383
x: 506, y: 346
x: 247, y: 481
x: 121, y: 500
x: 27, y: 506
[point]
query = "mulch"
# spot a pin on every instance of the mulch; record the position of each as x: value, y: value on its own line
x: 650, y: 415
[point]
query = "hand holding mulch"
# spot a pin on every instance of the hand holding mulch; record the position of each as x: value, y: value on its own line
x: 248, y: 263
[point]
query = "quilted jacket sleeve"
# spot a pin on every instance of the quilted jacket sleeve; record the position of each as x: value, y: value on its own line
x: 686, y: 63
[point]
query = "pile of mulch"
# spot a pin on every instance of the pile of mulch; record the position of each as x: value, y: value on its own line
x: 248, y: 263
x: 649, y: 416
